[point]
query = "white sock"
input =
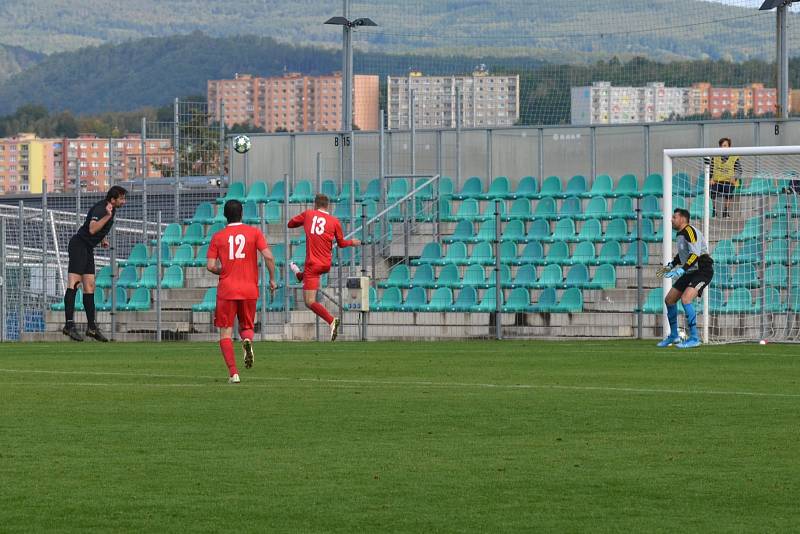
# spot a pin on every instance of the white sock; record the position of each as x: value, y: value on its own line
x: 295, y: 269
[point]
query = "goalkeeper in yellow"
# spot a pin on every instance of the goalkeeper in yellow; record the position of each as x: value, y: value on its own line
x: 692, y: 270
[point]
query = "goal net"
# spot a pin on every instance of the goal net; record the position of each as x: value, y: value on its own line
x: 745, y: 202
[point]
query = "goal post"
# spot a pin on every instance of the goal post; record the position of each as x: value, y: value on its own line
x: 750, y: 220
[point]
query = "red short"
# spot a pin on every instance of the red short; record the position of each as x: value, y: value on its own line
x: 227, y: 310
x: 312, y: 273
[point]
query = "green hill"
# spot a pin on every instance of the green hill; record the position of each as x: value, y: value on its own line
x: 563, y: 31
x: 14, y: 59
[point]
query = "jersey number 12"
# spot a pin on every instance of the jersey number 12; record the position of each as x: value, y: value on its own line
x: 239, y: 241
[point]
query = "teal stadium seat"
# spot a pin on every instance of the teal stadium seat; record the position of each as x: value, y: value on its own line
x: 137, y: 257
x: 527, y: 187
x: 570, y: 207
x: 236, y: 191
x: 472, y: 189
x: 373, y: 191
x: 546, y: 301
x: 128, y: 277
x: 653, y: 185
x: 533, y: 253
x: 596, y: 209
x: 466, y: 300
x: 571, y: 302
x: 173, y: 277
x: 498, y: 189
x: 551, y: 276
x: 525, y: 277
x: 448, y: 277
x: 601, y: 187
x: 514, y: 232
x: 278, y: 192
x: 259, y: 192
x: 423, y: 276
x: 329, y: 189
x: 519, y: 301
x: 441, y: 300
x: 303, y: 193
x: 520, y: 210
x: 576, y: 186
x: 431, y: 253
x: 617, y: 230
x: 551, y: 187
x: 538, y: 231
x: 391, y: 300
x: 545, y: 209
x: 627, y: 186
x: 415, y: 301
x: 475, y: 276
x: 103, y: 278
x: 399, y: 276
x: 564, y: 231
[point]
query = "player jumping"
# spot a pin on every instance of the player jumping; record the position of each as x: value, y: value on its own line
x: 235, y: 247
x: 693, y: 268
x: 321, y: 229
x: 93, y: 232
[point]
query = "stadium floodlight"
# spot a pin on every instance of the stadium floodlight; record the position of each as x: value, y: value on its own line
x: 341, y: 21
x: 347, y: 60
x: 772, y: 4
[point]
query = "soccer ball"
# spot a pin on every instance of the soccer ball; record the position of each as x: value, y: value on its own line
x: 682, y: 335
x: 241, y: 144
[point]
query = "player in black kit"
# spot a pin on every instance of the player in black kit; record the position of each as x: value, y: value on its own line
x: 81, y: 261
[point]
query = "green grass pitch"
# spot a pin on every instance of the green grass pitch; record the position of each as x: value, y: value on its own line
x: 588, y: 436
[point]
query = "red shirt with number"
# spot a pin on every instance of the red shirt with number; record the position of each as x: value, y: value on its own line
x: 322, y: 229
x: 237, y: 246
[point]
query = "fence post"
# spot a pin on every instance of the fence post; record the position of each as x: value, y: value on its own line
x: 264, y: 276
x: 498, y: 288
x: 113, y: 252
x: 158, y: 277
x: 3, y: 284
x: 20, y: 272
x: 78, y: 206
x: 286, y: 249
x: 222, y: 143
x: 144, y: 210
x: 319, y: 173
x: 639, y: 268
x: 177, y: 151
x: 458, y: 139
x: 45, y: 229
x: 541, y: 155
x: 364, y: 234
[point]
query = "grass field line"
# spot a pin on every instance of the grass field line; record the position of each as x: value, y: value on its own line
x: 356, y: 382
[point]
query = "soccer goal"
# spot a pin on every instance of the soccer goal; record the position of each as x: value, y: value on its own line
x: 745, y: 202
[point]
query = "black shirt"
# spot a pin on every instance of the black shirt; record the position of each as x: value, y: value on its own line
x: 97, y: 212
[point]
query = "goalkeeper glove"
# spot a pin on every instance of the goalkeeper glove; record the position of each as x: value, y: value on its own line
x: 664, y: 269
x: 677, y: 273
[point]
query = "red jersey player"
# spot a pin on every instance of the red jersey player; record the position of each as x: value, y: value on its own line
x: 322, y: 229
x: 232, y: 255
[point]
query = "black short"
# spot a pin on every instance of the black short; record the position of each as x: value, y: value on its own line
x: 81, y: 257
x: 722, y: 189
x: 698, y: 279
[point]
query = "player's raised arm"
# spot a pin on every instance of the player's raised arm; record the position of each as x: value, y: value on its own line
x: 341, y: 241
x: 297, y: 221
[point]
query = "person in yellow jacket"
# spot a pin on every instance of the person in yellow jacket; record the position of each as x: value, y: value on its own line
x: 726, y: 176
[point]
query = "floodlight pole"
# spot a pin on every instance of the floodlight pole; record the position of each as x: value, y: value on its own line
x: 783, y: 60
x: 347, y: 71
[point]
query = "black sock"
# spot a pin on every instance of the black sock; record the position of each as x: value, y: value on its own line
x: 69, y: 306
x: 88, y: 305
